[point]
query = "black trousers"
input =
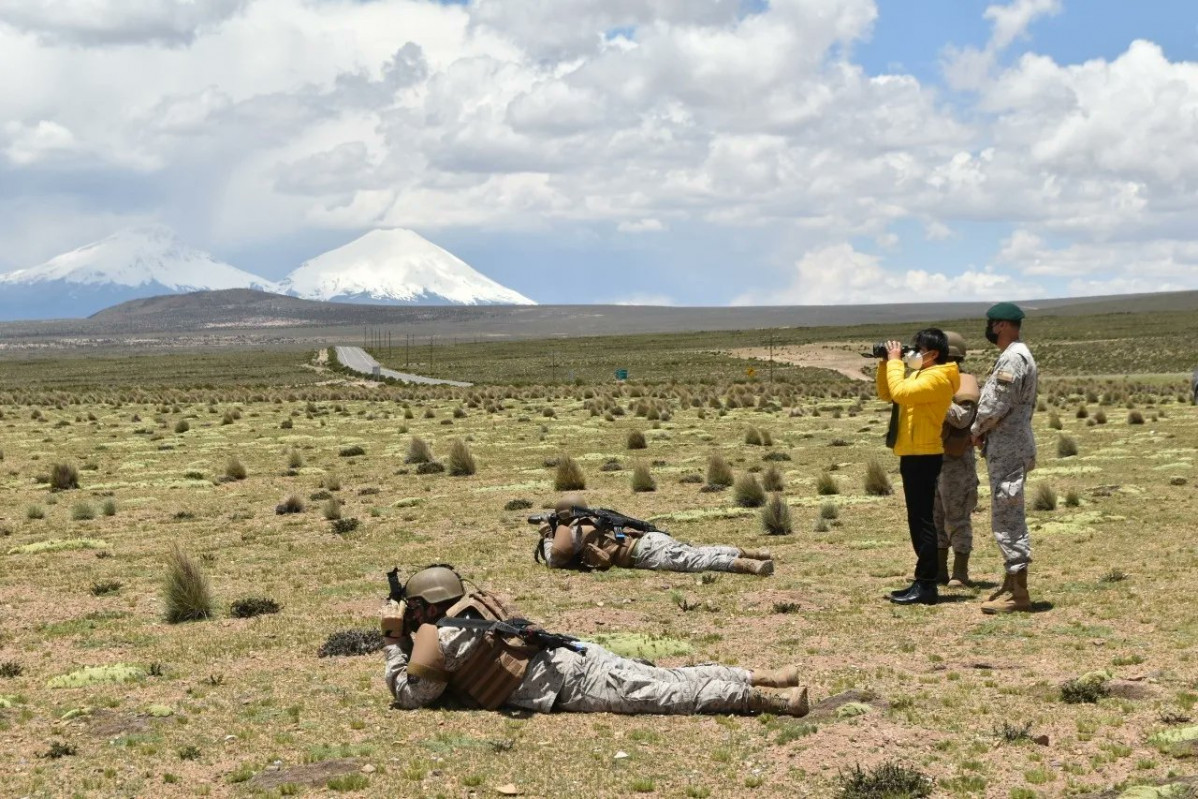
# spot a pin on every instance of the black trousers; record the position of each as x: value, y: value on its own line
x: 920, y: 473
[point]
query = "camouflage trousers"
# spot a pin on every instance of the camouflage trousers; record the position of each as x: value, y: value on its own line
x: 663, y: 553
x: 956, y: 499
x: 1008, y: 517
x: 603, y: 682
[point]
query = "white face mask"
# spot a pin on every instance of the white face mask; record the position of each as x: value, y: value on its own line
x: 914, y: 361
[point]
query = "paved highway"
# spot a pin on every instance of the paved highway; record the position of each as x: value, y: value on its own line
x: 357, y: 359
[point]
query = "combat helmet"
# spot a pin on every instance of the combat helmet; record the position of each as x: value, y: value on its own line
x: 434, y: 585
x: 956, y: 344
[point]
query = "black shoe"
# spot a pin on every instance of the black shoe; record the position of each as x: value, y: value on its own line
x: 920, y: 594
x: 904, y: 591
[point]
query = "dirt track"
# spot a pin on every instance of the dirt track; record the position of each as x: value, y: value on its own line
x: 839, y: 357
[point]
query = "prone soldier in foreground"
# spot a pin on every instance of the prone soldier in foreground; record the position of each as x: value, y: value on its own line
x: 573, y: 536
x: 441, y: 639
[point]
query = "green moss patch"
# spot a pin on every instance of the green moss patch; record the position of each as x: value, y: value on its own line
x: 59, y: 545
x: 98, y: 675
x: 634, y: 645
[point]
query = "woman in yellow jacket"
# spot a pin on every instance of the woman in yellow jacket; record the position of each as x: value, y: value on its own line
x: 922, y: 399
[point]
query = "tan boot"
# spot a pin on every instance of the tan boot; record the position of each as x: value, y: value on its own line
x: 775, y: 678
x: 960, y: 578
x: 1003, y: 589
x: 792, y: 703
x: 942, y: 566
x: 756, y: 554
x: 763, y: 568
x: 1017, y: 600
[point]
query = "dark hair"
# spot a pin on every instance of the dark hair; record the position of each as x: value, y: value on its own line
x: 933, y: 338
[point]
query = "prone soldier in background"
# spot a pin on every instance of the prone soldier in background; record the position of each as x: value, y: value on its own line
x: 573, y: 536
x: 957, y: 487
x: 441, y: 639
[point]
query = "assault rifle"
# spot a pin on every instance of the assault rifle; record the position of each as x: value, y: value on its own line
x: 523, y: 629
x: 602, y: 518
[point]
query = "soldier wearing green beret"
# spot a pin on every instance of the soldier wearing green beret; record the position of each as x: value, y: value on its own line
x: 1003, y: 431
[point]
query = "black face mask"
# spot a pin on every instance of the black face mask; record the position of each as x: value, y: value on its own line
x: 991, y: 335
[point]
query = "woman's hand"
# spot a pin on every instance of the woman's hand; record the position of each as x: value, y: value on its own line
x: 894, y: 350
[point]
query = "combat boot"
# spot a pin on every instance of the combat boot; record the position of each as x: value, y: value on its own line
x: 1003, y: 589
x: 775, y: 678
x: 763, y: 568
x: 1017, y: 600
x: 793, y: 703
x: 942, y: 566
x: 960, y: 578
x: 756, y: 554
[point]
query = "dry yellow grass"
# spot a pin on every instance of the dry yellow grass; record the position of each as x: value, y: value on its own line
x: 213, y: 705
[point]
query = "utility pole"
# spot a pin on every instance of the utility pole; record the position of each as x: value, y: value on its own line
x: 771, y: 359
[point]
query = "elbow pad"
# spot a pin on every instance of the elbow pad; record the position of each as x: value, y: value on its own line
x: 427, y: 661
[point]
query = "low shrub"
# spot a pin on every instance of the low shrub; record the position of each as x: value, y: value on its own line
x: 350, y: 643
x: 250, y: 607
x: 105, y: 587
x: 343, y: 526
x: 351, y: 451
x: 636, y: 440
x: 63, y: 477
x: 886, y: 781
x: 432, y: 467
x: 291, y: 504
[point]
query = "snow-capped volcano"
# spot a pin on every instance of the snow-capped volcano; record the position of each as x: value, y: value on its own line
x: 396, y: 266
x: 129, y: 264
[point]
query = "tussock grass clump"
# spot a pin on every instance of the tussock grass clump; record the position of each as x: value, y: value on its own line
x: 57, y: 750
x: 1083, y: 412
x: 1113, y: 576
x: 1100, y: 417
x: 343, y: 526
x: 345, y: 643
x: 82, y: 512
x: 249, y: 607
x: 351, y: 451
x: 829, y: 510
x: 291, y: 504
x: 1054, y: 421
x: 771, y: 479
x: 1066, y: 447
x: 568, y: 476
x: 461, y: 462
x: 610, y: 465
x: 235, y: 470
x: 775, y: 517
x: 182, y: 426
x: 1072, y: 498
x: 518, y: 504
x: 826, y: 485
x: 11, y: 669
x: 331, y: 482
x: 1014, y: 733
x: 636, y: 440
x: 775, y: 456
x: 63, y: 477
x: 35, y: 512
x: 108, y: 508
x: 432, y: 467
x: 186, y: 592
x: 753, y: 437
x: 821, y: 525
x: 642, y: 480
x: 786, y: 607
x: 1135, y: 417
x: 1046, y: 498
x: 748, y: 493
x: 877, y: 482
x: 294, y: 459
x: 888, y: 780
x: 719, y: 473
x: 418, y: 451
x: 332, y: 509
x: 105, y: 587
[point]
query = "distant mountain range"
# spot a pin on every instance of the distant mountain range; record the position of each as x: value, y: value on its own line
x: 383, y: 267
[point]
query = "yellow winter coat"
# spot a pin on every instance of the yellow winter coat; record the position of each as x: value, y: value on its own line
x: 923, y: 399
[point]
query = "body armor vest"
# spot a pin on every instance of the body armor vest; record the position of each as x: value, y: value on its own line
x: 600, y: 548
x: 496, y: 665
x: 957, y: 440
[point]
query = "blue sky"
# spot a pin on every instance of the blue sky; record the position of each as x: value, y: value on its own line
x: 667, y: 151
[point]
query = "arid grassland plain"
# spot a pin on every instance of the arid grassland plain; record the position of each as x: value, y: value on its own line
x: 288, y: 485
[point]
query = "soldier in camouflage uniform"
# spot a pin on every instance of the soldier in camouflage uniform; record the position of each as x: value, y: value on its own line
x: 1003, y: 429
x: 571, y: 539
x: 426, y: 661
x: 957, y: 487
